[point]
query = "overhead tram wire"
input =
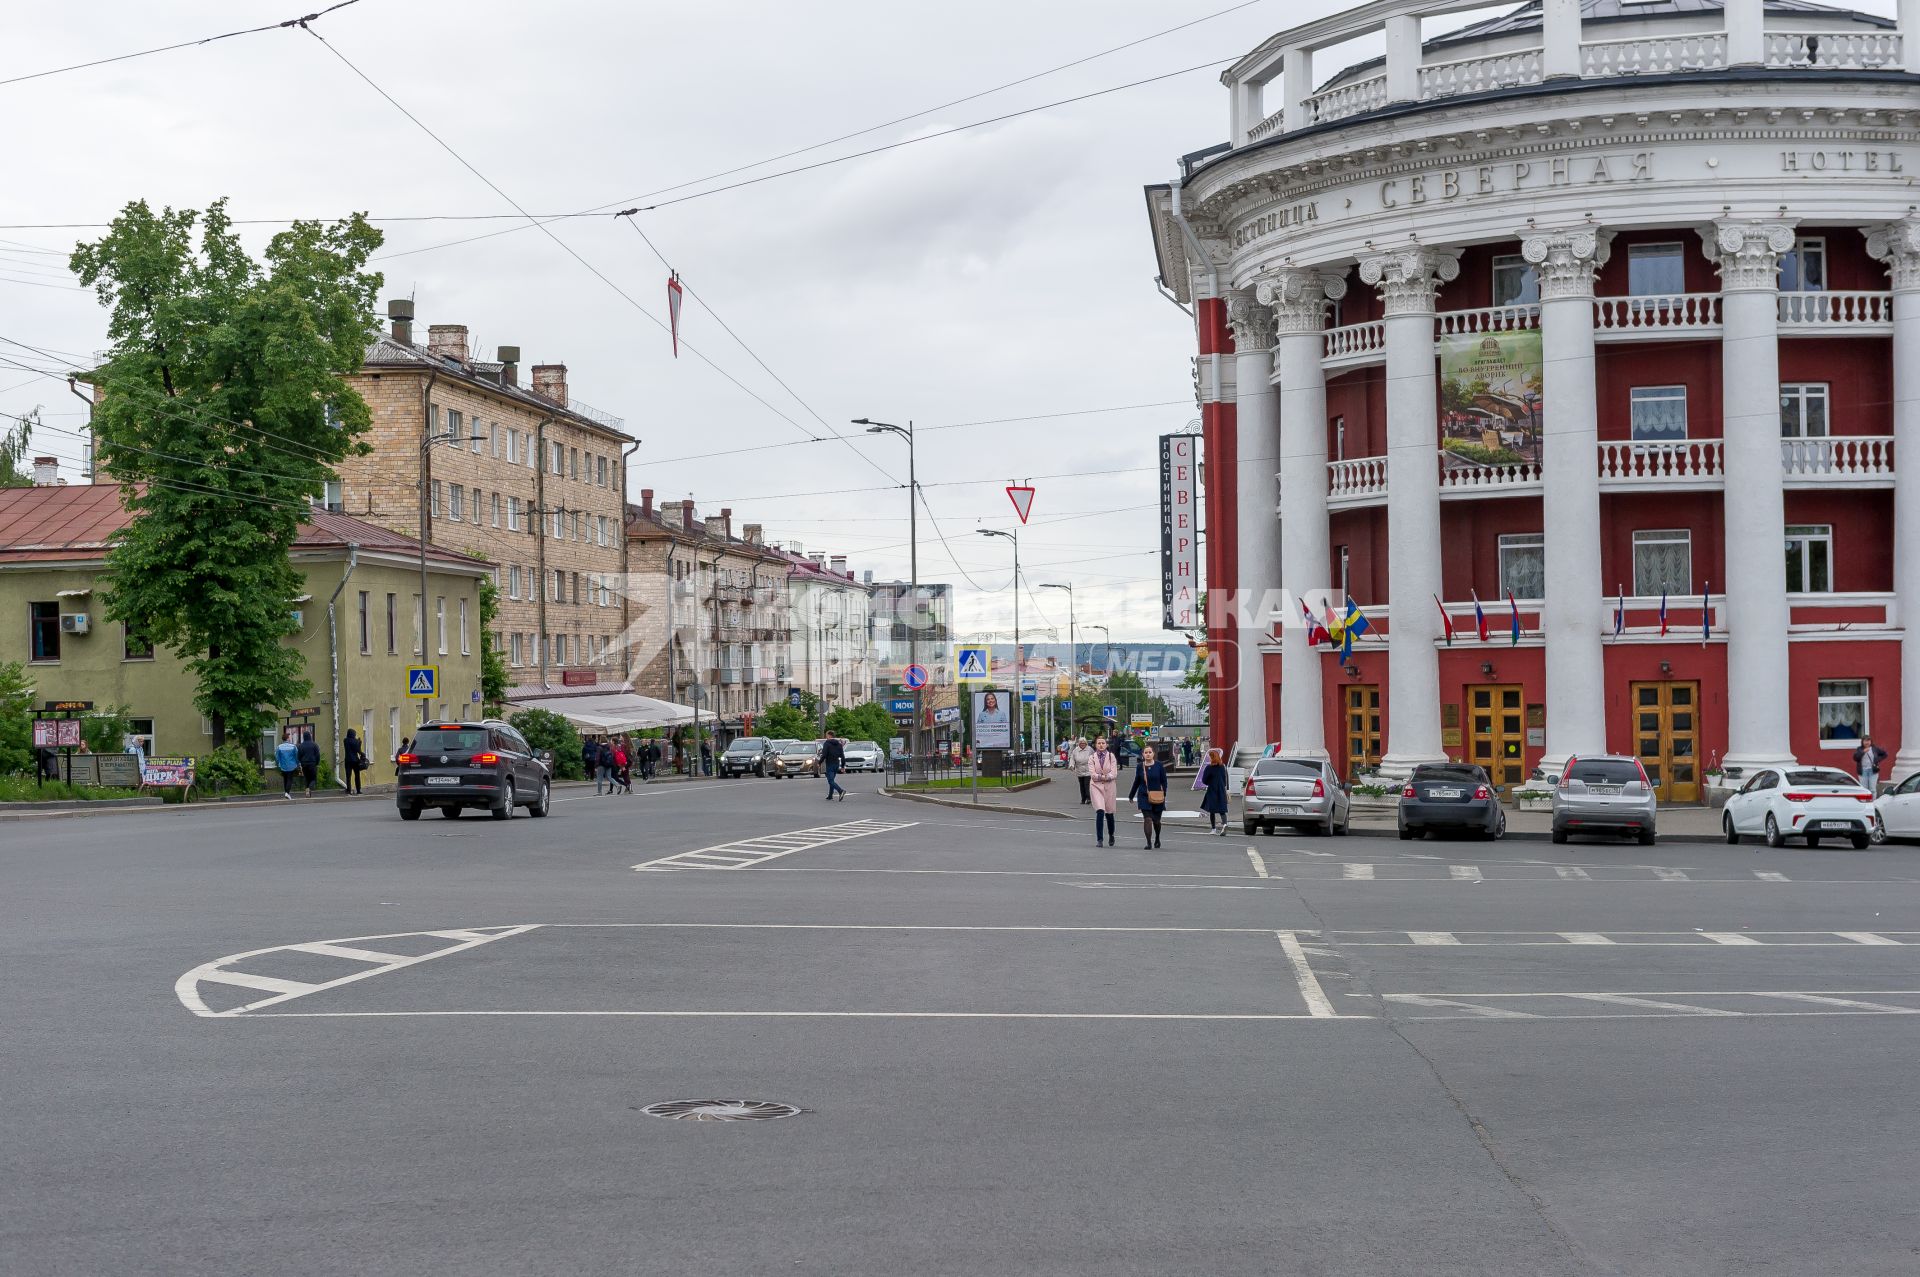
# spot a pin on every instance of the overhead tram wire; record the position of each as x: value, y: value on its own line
x: 300, y: 22
x: 565, y: 247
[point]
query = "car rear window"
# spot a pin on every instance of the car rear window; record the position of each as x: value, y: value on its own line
x: 1814, y: 776
x: 746, y: 743
x: 1284, y: 767
x: 1611, y: 771
x: 802, y: 748
x: 463, y: 739
x: 1440, y: 771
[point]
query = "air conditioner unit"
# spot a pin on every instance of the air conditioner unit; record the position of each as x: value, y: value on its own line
x: 73, y: 623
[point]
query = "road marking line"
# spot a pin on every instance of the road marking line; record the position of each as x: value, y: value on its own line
x: 1622, y: 999
x: 1160, y: 886
x: 1259, y: 865
x: 186, y: 988
x: 1310, y: 990
x: 839, y: 1015
x: 1571, y: 874
x: 885, y: 926
x: 343, y: 951
x: 1585, y: 937
x: 764, y: 847
x: 1361, y: 873
x: 1765, y: 876
x: 1490, y: 1013
x: 1671, y: 875
x: 1844, y: 1002
x: 1865, y: 937
x: 1730, y: 937
x: 1464, y: 873
x: 1433, y: 937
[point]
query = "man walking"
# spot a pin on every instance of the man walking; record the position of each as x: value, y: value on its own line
x: 286, y: 756
x: 309, y: 756
x: 1080, y: 758
x: 833, y: 756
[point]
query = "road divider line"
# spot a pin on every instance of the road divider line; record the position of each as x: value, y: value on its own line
x: 1571, y: 874
x: 1310, y: 991
x: 342, y: 951
x: 1433, y: 937
x: 1829, y: 1000
x: 1729, y: 937
x: 1357, y: 873
x: 745, y: 853
x: 1766, y: 876
x: 1865, y: 937
x: 1626, y: 1000
x: 1259, y: 865
x: 1485, y: 1013
x: 1670, y: 875
x: 1464, y: 873
x: 838, y: 1015
x: 1585, y: 937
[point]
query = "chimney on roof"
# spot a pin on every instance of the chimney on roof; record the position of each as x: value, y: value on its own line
x: 715, y: 525
x: 819, y: 557
x: 839, y: 564
x: 46, y: 472
x: 754, y: 533
x: 400, y: 311
x: 726, y: 520
x: 686, y: 512
x: 509, y: 365
x: 550, y: 382
x: 447, y: 341
x: 646, y: 502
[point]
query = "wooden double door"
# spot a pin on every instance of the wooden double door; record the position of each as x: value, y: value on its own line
x: 1496, y: 734
x: 1666, y: 736
x: 1362, y: 727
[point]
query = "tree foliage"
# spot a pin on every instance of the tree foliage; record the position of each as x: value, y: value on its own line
x: 868, y: 721
x: 782, y: 722
x: 16, y: 719
x: 225, y: 410
x: 545, y: 729
x: 494, y: 679
x: 13, y: 450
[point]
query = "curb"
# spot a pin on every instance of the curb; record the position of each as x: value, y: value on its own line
x: 1009, y: 809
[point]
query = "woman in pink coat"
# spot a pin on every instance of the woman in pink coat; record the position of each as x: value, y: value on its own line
x: 1103, y: 772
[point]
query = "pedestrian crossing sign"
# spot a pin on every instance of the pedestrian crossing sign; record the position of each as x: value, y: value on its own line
x: 972, y: 662
x: 423, y: 681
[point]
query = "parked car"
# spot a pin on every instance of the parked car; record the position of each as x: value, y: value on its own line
x: 1800, y: 802
x: 864, y: 756
x: 1604, y: 794
x: 747, y: 756
x: 794, y: 758
x: 483, y: 764
x: 1299, y: 792
x: 1896, y: 813
x: 1451, y: 796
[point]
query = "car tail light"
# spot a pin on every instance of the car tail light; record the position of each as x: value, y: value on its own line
x: 1644, y: 778
x: 1408, y: 791
x: 407, y: 760
x: 486, y: 760
x: 1482, y: 793
x: 1319, y: 789
x: 1566, y: 773
x: 1248, y: 791
x: 1863, y: 797
x: 1799, y: 798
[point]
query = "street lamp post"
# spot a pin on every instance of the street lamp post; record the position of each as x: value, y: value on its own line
x: 914, y: 765
x: 1107, y: 657
x: 1019, y: 684
x: 425, y: 444
x: 1073, y: 654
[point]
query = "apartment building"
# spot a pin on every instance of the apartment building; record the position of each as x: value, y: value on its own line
x: 833, y: 627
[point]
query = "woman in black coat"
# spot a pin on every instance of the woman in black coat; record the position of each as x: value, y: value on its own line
x: 1213, y: 778
x: 353, y: 761
x: 1149, y: 793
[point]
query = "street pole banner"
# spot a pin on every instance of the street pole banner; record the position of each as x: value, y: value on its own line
x: 992, y: 724
x: 1179, y: 532
x: 674, y: 293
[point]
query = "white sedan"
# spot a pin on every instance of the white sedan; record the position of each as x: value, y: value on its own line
x: 1800, y: 802
x: 1897, y: 812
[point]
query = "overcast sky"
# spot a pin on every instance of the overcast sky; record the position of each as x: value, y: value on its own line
x: 1001, y: 272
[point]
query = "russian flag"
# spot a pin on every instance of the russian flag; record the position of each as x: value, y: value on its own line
x: 1479, y: 618
x: 1620, y: 613
x: 1446, y: 622
x: 1663, y: 613
x: 1515, y: 609
x: 1706, y: 614
x: 1316, y: 632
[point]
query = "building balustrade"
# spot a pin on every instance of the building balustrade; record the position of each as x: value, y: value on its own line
x: 1488, y: 319
x: 1355, y: 344
x: 1479, y: 74
x: 1835, y: 50
x: 1838, y: 459
x: 1654, y: 55
x: 1661, y: 316
x: 1827, y: 311
x: 1347, y: 99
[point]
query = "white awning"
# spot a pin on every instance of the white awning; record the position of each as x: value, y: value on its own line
x: 610, y: 712
x: 72, y: 594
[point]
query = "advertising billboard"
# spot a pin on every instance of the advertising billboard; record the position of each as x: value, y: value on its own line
x: 1490, y: 405
x: 992, y: 720
x: 1179, y: 532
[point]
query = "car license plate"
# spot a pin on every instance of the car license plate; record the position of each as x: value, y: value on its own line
x: 1830, y: 824
x: 443, y: 780
x: 1288, y: 811
x: 1443, y: 793
x: 1608, y: 790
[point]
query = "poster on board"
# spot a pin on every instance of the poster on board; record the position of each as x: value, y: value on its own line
x: 992, y: 721
x: 1490, y: 404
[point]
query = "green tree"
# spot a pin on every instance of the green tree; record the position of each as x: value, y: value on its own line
x: 869, y: 721
x: 1132, y: 696
x: 13, y: 449
x: 494, y: 679
x: 783, y: 722
x: 545, y: 729
x: 16, y: 719
x: 1196, y: 677
x: 105, y: 730
x: 225, y: 411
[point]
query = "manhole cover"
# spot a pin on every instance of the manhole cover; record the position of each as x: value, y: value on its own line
x: 720, y: 1110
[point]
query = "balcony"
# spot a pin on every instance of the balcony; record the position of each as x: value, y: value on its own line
x: 1353, y: 345
x: 1668, y: 467
x: 1835, y: 50
x: 1654, y: 55
x: 1348, y: 99
x: 1479, y: 74
x: 1487, y: 319
x: 1838, y: 314
x: 1667, y: 317
x: 732, y: 676
x: 1863, y: 461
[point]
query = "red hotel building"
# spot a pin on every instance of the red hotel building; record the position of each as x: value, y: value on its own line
x: 1599, y: 298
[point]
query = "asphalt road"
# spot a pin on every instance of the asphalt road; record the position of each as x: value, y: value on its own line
x: 1013, y: 1052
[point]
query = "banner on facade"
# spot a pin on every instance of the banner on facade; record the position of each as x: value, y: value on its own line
x: 1490, y: 406
x: 992, y: 720
x: 1179, y: 532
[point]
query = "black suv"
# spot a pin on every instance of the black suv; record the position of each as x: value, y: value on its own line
x: 485, y: 764
x: 749, y: 755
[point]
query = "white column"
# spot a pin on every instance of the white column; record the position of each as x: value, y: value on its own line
x: 1298, y: 299
x: 1296, y: 86
x: 1746, y: 36
x: 1748, y: 256
x: 1256, y: 415
x: 1560, y: 38
x: 1908, y: 15
x: 1407, y: 279
x: 1898, y: 245
x: 1571, y: 619
x: 1403, y: 57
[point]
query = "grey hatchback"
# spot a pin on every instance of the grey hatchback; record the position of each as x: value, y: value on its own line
x: 484, y: 764
x: 1605, y: 794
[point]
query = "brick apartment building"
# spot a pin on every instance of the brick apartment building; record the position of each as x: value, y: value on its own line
x: 526, y: 477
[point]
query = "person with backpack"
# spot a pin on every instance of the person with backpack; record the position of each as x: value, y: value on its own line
x: 620, y: 780
x: 309, y: 755
x: 286, y: 756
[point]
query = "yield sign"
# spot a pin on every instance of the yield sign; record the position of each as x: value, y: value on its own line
x: 1022, y: 499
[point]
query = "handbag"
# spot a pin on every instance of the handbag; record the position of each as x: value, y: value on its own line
x: 1157, y: 797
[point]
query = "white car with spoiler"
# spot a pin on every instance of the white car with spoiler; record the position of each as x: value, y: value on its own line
x: 1800, y: 802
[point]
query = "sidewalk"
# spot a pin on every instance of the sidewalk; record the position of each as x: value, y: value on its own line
x: 1061, y: 800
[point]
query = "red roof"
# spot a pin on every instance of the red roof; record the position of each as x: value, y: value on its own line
x: 46, y: 524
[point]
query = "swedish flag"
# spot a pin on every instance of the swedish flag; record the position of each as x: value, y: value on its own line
x: 1346, y: 628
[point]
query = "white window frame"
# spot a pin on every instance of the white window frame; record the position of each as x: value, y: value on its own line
x: 1811, y: 536
x: 465, y: 649
x: 440, y: 622
x: 334, y: 496
x: 1508, y: 263
x: 438, y: 485
x: 1805, y: 248
x: 457, y: 503
x: 1651, y: 395
x: 453, y: 424
x: 496, y: 509
x: 1672, y: 249
x: 1662, y: 536
x: 513, y: 657
x: 493, y: 439
x: 1863, y: 698
x: 1346, y: 570
x: 1516, y: 542
x: 1798, y: 397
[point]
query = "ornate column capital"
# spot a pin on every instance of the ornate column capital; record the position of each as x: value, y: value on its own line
x: 1251, y: 322
x: 1409, y: 277
x: 1298, y: 296
x: 1898, y: 245
x: 1747, y: 253
x: 1566, y: 260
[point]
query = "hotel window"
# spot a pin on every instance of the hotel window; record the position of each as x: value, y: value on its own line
x: 493, y: 439
x: 573, y: 461
x: 513, y: 445
x: 1515, y: 282
x: 43, y: 631
x: 558, y: 646
x: 464, y: 649
x: 135, y: 646
x: 1659, y: 414
x: 513, y: 581
x: 1346, y: 570
x: 366, y: 627
x: 593, y: 588
x: 391, y: 601
x: 1662, y: 562
x: 1656, y: 270
x: 1803, y: 269
x: 1523, y: 565
x: 513, y: 514
x: 576, y: 588
x: 1803, y: 410
x: 1809, y: 558
x: 458, y: 507
x: 479, y: 436
x: 559, y: 460
x: 1843, y: 712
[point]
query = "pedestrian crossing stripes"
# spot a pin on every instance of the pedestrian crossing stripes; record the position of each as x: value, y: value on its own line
x: 1655, y: 1004
x: 207, y: 980
x: 1513, y: 871
x: 1641, y: 939
x: 748, y: 852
